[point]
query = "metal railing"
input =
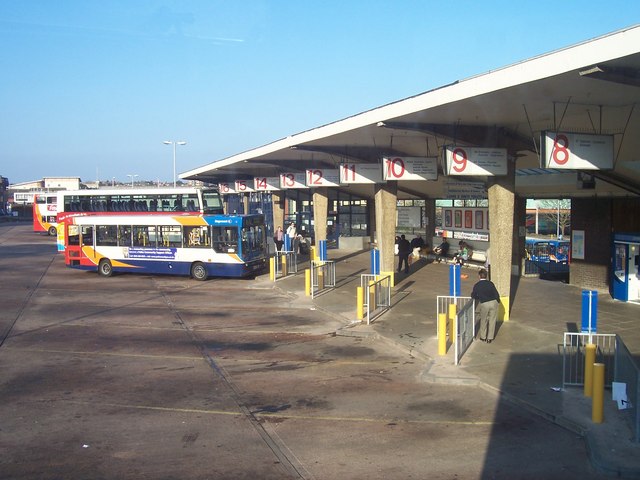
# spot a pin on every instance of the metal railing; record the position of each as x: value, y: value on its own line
x: 323, y: 275
x: 377, y: 294
x: 626, y: 371
x: 285, y: 263
x: 465, y: 330
x: 620, y: 366
x: 462, y: 332
x: 573, y: 353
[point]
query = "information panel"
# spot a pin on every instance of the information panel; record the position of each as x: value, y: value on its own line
x: 410, y: 168
x: 576, y: 151
x: 264, y: 184
x: 292, y: 180
x: 475, y: 161
x: 322, y: 177
x: 244, y: 186
x: 226, y: 188
x: 361, y: 173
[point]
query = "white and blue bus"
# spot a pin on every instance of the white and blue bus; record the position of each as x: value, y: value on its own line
x: 201, y: 246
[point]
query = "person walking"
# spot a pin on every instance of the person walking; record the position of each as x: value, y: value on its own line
x: 404, y: 249
x: 485, y: 293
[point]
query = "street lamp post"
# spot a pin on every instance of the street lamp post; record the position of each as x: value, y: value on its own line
x: 174, y: 143
x: 132, y: 176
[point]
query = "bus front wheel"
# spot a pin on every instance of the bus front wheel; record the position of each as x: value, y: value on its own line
x: 52, y: 231
x: 199, y: 271
x: 104, y: 268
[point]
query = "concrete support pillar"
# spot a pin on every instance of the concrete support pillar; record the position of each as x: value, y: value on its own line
x: 320, y: 204
x: 372, y: 220
x: 385, y: 205
x: 430, y: 221
x: 520, y: 233
x: 225, y: 204
x: 501, y: 231
x: 277, y: 200
x: 245, y: 203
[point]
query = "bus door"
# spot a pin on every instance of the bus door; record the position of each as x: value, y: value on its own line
x: 77, y: 238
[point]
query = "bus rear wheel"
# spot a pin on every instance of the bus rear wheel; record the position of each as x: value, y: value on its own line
x: 104, y: 268
x: 199, y: 271
x: 52, y: 231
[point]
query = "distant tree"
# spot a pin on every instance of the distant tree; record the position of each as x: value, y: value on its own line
x: 559, y: 212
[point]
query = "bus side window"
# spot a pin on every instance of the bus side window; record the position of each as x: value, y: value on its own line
x: 87, y: 236
x: 141, y: 237
x: 73, y: 235
x: 124, y: 236
x: 106, y: 235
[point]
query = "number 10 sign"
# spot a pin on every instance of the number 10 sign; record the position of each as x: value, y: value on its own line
x: 475, y: 161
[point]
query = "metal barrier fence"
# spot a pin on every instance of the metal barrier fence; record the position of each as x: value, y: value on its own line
x: 323, y: 275
x: 285, y: 263
x: 573, y: 353
x: 620, y: 366
x: 377, y: 294
x: 626, y: 371
x: 545, y: 268
x: 465, y: 330
x: 463, y: 325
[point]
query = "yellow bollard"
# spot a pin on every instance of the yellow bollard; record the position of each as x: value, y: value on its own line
x: 597, y: 405
x: 307, y: 282
x: 442, y: 334
x: 320, y: 280
x: 452, y: 321
x: 272, y: 269
x: 359, y: 303
x: 284, y: 265
x: 589, y: 360
x: 503, y: 309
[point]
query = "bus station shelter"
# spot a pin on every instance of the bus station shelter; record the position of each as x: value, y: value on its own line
x: 560, y: 125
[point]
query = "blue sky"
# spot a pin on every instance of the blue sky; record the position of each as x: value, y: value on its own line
x: 92, y: 88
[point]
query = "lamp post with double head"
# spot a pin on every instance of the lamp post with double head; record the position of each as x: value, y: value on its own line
x: 174, y: 143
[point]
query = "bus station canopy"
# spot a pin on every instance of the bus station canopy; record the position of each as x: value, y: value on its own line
x: 589, y: 88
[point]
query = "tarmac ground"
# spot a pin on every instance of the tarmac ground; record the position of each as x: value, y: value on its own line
x: 523, y: 365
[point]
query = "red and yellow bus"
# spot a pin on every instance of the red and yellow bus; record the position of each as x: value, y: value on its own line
x: 45, y: 212
x: 201, y: 246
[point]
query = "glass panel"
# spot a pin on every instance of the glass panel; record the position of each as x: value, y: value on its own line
x: 107, y: 235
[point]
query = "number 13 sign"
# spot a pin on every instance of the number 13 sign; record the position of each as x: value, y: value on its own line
x: 475, y: 161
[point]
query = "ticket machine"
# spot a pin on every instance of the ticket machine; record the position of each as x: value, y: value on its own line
x: 625, y: 282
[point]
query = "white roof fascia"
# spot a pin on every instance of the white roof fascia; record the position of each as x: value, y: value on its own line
x: 612, y: 46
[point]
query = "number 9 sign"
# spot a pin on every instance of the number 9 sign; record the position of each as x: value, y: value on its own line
x: 459, y: 160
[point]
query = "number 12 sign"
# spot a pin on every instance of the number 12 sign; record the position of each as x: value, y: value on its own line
x: 475, y: 161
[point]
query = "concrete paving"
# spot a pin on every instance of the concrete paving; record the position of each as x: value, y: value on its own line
x: 523, y: 365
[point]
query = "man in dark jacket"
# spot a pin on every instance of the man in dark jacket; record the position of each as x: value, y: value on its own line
x: 485, y: 293
x: 404, y: 249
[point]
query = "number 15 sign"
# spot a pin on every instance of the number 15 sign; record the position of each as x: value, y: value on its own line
x: 475, y: 161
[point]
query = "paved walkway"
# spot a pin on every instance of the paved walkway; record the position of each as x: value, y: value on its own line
x: 523, y: 364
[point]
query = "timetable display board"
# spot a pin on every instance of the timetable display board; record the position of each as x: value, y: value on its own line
x: 226, y: 188
x: 576, y: 151
x: 475, y: 161
x: 410, y: 168
x: 352, y: 173
x: 322, y: 177
x: 244, y: 186
x: 292, y: 180
x: 266, y: 184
